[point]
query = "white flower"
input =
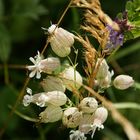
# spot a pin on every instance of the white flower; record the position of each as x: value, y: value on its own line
x: 35, y: 68
x: 77, y: 135
x: 71, y: 78
x: 38, y: 99
x: 28, y: 98
x: 103, y: 68
x: 51, y: 114
x: 103, y: 77
x: 88, y: 105
x: 61, y: 40
x: 123, y: 82
x: 100, y: 117
x: 89, y: 123
x: 42, y: 65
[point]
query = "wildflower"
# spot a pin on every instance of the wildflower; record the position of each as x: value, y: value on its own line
x: 77, y: 135
x: 61, y: 40
x: 123, y: 82
x: 52, y: 83
x: 100, y: 117
x: 34, y: 69
x: 88, y: 105
x: 42, y: 65
x: 71, y: 78
x: 115, y: 39
x: 103, y: 68
x: 103, y: 77
x: 71, y: 117
x: 27, y: 99
x: 105, y: 83
x: 56, y: 98
x: 51, y: 114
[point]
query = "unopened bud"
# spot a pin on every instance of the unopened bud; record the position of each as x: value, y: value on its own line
x: 61, y: 40
x: 123, y: 82
x: 103, y: 68
x: 100, y: 116
x: 51, y: 114
x: 71, y: 117
x: 88, y: 105
x: 71, y: 78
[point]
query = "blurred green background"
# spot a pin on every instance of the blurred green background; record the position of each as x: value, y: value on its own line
x: 20, y: 38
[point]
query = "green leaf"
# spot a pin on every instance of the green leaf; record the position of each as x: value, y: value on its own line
x: 5, y: 43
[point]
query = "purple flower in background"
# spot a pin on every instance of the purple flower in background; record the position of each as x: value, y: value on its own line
x: 115, y: 39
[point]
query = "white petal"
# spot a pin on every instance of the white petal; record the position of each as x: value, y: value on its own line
x: 32, y: 60
x: 32, y: 74
x: 38, y: 75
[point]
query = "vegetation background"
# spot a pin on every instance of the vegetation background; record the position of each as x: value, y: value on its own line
x: 20, y: 38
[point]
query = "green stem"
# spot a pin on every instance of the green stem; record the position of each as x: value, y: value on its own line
x: 6, y: 73
x: 126, y: 105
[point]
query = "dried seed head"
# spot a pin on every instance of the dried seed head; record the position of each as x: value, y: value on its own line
x: 71, y: 78
x: 71, y: 117
x: 88, y: 105
x: 51, y: 114
x: 61, y: 40
x: 123, y: 82
x: 52, y: 83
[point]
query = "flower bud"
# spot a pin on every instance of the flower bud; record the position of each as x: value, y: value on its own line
x: 100, y: 116
x: 88, y: 105
x: 71, y: 117
x: 51, y: 114
x: 61, y: 40
x: 123, y: 82
x: 52, y: 83
x: 56, y: 98
x: 103, y: 68
x: 71, y: 78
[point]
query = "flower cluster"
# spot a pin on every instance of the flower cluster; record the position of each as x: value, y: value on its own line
x: 84, y: 113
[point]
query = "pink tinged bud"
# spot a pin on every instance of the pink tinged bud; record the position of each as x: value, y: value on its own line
x: 123, y: 82
x: 88, y: 105
x: 71, y: 78
x: 61, y: 40
x: 71, y: 117
x: 52, y: 83
x: 51, y: 114
x: 100, y: 117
